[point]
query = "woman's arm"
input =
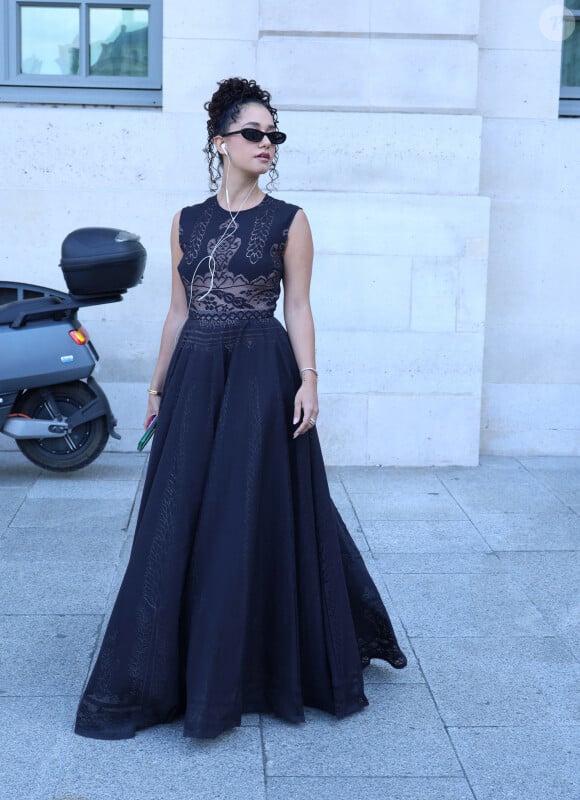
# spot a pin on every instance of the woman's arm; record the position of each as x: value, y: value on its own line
x: 176, y: 316
x: 298, y: 256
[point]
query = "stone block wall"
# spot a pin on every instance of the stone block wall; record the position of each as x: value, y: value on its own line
x: 531, y: 172
x: 379, y: 102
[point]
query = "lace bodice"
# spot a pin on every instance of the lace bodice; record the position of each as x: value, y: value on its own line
x: 249, y: 263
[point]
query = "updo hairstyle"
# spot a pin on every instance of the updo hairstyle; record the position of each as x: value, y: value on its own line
x: 224, y: 108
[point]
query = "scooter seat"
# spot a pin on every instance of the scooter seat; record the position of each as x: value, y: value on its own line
x: 35, y: 307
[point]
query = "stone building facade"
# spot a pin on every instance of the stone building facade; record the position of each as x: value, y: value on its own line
x: 425, y: 145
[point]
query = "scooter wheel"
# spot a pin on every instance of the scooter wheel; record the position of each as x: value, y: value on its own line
x: 79, y: 447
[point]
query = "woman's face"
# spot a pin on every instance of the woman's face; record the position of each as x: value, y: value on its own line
x: 253, y: 158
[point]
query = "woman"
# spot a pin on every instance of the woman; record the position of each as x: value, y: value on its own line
x: 244, y: 591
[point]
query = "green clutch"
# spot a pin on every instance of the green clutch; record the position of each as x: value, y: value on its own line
x: 147, y: 435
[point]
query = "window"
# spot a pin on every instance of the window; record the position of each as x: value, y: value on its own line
x: 570, y: 91
x: 98, y: 52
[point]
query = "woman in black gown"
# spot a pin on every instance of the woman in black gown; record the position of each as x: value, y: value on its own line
x: 244, y: 591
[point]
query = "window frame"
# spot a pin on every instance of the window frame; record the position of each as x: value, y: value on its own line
x: 570, y: 95
x: 123, y: 90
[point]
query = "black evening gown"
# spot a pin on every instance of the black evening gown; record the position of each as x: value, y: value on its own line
x: 244, y: 591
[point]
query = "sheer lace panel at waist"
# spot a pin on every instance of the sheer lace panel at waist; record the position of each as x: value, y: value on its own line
x: 231, y: 296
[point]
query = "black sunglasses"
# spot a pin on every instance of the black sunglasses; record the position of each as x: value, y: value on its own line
x: 254, y: 135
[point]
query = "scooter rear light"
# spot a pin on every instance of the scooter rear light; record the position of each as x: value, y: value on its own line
x: 80, y: 335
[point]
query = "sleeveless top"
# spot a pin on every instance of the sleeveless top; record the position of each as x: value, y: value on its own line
x: 249, y: 262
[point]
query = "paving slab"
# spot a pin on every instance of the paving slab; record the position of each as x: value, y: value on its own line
x: 44, y: 760
x: 29, y: 741
x: 15, y: 470
x: 46, y: 655
x: 114, y: 467
x: 555, y: 464
x: 464, y: 605
x: 160, y: 764
x: 62, y: 544
x: 438, y: 563
x: 11, y: 499
x: 572, y: 642
x: 552, y: 582
x: 486, y: 586
x: 423, y: 536
x: 487, y: 464
x: 396, y: 504
x: 542, y: 531
x: 368, y: 788
x: 416, y: 480
x: 501, y: 680
x: 74, y: 512
x: 64, y: 588
x: 69, y: 488
x: 412, y: 739
x: 489, y: 490
x: 562, y: 477
x: 497, y: 462
x: 521, y: 763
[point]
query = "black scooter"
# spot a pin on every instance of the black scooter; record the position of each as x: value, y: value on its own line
x: 49, y: 401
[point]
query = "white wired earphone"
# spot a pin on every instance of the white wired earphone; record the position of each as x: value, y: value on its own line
x: 225, y: 235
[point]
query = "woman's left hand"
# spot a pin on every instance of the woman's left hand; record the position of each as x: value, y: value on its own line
x: 305, y: 406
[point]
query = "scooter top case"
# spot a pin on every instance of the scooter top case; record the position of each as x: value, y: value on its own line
x: 41, y: 344
x: 97, y: 262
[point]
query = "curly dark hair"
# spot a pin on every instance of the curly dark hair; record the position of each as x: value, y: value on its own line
x: 224, y: 107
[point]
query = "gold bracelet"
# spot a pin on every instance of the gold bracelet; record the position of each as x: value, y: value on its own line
x: 156, y: 392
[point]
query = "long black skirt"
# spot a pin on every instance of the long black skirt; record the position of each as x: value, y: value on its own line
x: 244, y: 591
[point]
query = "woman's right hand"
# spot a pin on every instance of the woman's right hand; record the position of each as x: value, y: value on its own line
x: 153, y: 404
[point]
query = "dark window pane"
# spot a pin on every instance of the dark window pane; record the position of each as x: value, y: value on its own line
x: 118, y: 41
x: 49, y: 43
x: 571, y: 59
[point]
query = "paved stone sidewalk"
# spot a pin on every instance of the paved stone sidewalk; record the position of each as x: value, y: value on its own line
x: 479, y: 568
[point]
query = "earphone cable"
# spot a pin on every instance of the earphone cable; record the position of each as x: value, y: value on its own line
x: 211, y: 257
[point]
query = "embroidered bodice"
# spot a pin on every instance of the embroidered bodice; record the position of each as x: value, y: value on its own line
x: 248, y: 264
